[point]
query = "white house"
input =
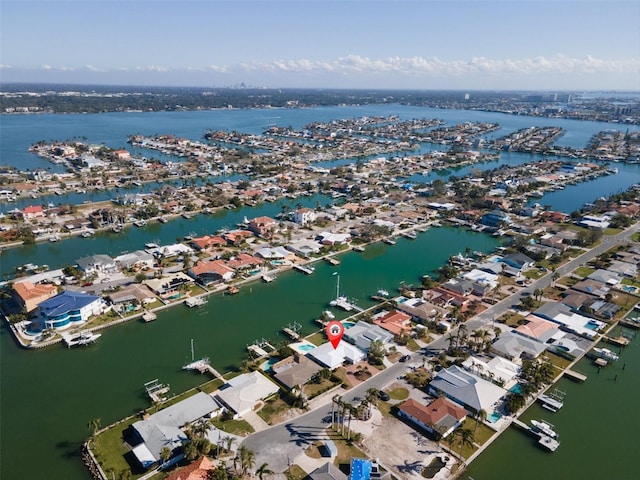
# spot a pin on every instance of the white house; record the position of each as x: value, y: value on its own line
x: 242, y: 393
x: 304, y: 216
x: 332, y: 358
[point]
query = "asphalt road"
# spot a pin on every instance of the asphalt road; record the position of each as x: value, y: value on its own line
x: 281, y: 444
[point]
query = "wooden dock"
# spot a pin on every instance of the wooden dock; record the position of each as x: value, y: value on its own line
x: 544, y: 441
x: 148, y: 316
x: 619, y: 341
x: 573, y: 375
x: 332, y: 261
x: 212, y: 371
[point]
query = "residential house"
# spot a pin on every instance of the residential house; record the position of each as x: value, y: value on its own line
x: 605, y: 276
x: 295, y: 370
x: 537, y: 328
x: 495, y: 219
x: 211, y: 271
x: 32, y: 212
x: 30, y: 295
x: 498, y: 369
x: 244, y: 261
x: 131, y: 295
x: 592, y: 287
x: 518, y: 261
x: 513, y: 346
x: 304, y: 216
x: 333, y: 358
x: 139, y: 259
x: 197, y: 470
x: 69, y: 308
x: 466, y: 389
x: 305, y: 248
x: 395, y: 322
x: 363, y: 333
x: 623, y: 268
x: 570, y: 321
x: 440, y: 417
x: 208, y: 242
x: 237, y: 237
x: 242, y: 394
x: 328, y: 471
x: 168, y: 285
x: 420, y: 309
x: 164, y: 428
x: 328, y: 238
x: 263, y: 226
x: 97, y: 265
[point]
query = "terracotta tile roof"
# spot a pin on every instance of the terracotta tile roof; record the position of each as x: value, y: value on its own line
x: 197, y: 470
x: 216, y: 266
x: 28, y: 291
x: 435, y: 412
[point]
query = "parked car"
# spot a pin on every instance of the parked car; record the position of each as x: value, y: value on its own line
x: 384, y: 396
x: 404, y: 358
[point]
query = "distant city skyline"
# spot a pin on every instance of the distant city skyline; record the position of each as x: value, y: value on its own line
x: 382, y: 44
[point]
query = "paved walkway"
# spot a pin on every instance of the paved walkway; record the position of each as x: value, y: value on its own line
x: 256, y: 421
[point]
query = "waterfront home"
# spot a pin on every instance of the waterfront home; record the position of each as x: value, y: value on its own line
x: 304, y: 248
x: 495, y: 219
x: 333, y: 358
x: 304, y: 216
x: 395, y: 322
x: 169, y: 251
x: 242, y: 394
x: 263, y: 226
x: 440, y: 417
x: 295, y: 370
x: 497, y: 369
x: 237, y: 237
x: 537, y: 328
x: 169, y: 285
x: 420, y: 309
x: 131, y: 296
x: 139, y: 259
x: 275, y: 253
x: 163, y: 428
x: 211, y: 271
x: 243, y: 261
x: 97, y: 265
x: 30, y: 295
x: 582, y: 302
x: 363, y: 333
x: 570, y: 321
x: 472, y: 392
x: 32, y: 212
x: 196, y: 470
x: 513, y: 346
x: 207, y: 242
x: 69, y: 308
x: 329, y: 238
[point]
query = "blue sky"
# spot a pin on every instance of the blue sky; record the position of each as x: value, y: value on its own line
x: 424, y: 44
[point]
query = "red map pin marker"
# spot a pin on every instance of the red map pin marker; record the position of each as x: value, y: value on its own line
x: 335, y: 330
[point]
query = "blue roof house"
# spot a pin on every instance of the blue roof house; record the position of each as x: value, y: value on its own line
x: 70, y: 308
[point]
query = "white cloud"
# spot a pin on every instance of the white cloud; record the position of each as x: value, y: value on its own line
x: 3, y: 66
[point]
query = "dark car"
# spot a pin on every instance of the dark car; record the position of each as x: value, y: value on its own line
x: 383, y: 396
x: 404, y: 358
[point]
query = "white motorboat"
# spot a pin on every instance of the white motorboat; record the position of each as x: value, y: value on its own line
x: 606, y: 354
x: 545, y: 428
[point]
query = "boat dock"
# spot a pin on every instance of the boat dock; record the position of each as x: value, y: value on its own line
x: 157, y: 391
x: 194, y: 302
x: 344, y: 304
x: 148, y: 316
x: 573, y: 375
x: 293, y: 330
x: 308, y: 270
x: 554, y: 401
x: 257, y: 348
x: 620, y: 341
x: 332, y: 261
x: 544, y: 441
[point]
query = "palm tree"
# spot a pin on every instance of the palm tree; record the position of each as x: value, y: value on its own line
x: 481, y: 415
x: 229, y: 441
x: 199, y: 429
x: 263, y: 470
x: 247, y: 459
x: 465, y: 438
x: 538, y: 294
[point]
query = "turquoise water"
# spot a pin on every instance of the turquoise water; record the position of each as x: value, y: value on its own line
x: 306, y: 347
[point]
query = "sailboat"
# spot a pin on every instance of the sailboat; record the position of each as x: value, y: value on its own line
x: 199, y: 365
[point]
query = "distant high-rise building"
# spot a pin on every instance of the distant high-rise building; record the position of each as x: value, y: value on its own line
x: 467, y: 96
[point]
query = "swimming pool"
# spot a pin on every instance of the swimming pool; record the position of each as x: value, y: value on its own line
x: 494, y: 417
x: 592, y: 325
x: 348, y: 325
x: 517, y: 389
x: 629, y: 288
x: 306, y: 347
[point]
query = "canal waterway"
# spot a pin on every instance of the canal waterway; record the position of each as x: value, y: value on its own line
x: 597, y: 428
x: 67, y: 251
x: 49, y: 395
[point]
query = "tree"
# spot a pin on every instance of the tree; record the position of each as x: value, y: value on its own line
x: 263, y: 470
x: 481, y: 415
x: 465, y: 438
x: 538, y: 294
x: 376, y: 353
x: 165, y: 454
x: 246, y: 458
